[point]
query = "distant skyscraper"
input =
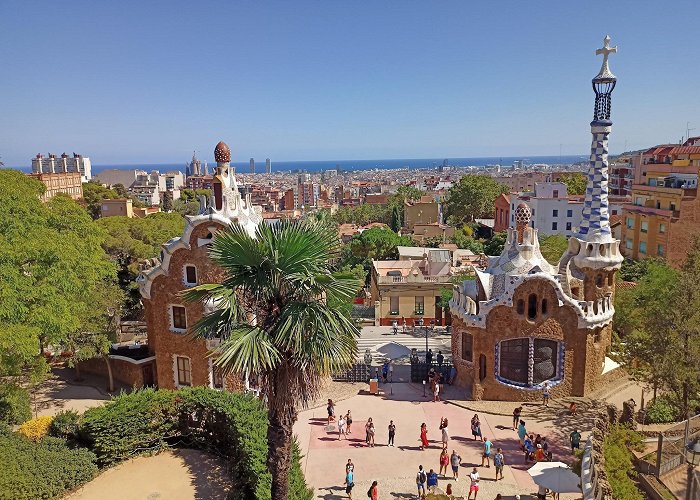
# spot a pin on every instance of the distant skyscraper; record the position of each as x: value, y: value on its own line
x: 268, y: 166
x: 252, y: 165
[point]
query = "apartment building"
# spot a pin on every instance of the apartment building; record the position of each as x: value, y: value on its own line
x: 52, y: 164
x: 423, y: 211
x: 69, y: 183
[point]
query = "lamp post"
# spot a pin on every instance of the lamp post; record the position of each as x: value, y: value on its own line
x: 692, y: 458
x: 391, y: 378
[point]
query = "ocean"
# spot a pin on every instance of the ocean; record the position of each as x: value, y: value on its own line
x: 350, y: 165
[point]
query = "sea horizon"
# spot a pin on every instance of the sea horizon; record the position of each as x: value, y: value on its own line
x: 355, y: 165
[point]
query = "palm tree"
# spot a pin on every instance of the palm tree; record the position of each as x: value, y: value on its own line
x: 279, y: 315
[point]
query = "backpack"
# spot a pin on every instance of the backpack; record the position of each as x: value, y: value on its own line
x: 369, y: 492
x: 422, y: 477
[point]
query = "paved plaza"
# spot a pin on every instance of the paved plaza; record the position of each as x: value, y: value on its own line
x: 395, y: 468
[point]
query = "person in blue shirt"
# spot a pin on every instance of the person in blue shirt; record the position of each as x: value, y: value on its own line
x: 487, y: 453
x: 522, y: 433
x: 432, y: 481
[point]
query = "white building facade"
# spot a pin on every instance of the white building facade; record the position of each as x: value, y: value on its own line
x: 53, y: 164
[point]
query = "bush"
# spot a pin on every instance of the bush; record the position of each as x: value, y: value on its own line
x: 15, y: 404
x: 618, y: 461
x: 36, y: 428
x: 660, y: 412
x: 46, y: 469
x: 228, y: 424
x: 65, y: 425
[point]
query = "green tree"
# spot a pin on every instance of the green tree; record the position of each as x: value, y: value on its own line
x: 634, y: 270
x: 378, y: 244
x: 93, y: 194
x: 166, y: 203
x: 396, y: 219
x: 553, y: 247
x: 464, y: 238
x: 495, y: 245
x: 576, y: 183
x: 472, y: 197
x: 447, y: 293
x: 363, y: 215
x: 184, y: 207
x: 278, y: 317
x: 120, y: 190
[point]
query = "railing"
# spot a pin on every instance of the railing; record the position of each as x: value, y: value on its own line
x: 360, y: 372
x: 671, y: 450
x: 589, y: 474
x: 383, y: 280
x: 420, y: 369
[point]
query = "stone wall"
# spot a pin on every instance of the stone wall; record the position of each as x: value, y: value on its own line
x: 127, y: 373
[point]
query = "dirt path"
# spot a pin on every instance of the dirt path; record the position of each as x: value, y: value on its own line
x: 171, y: 475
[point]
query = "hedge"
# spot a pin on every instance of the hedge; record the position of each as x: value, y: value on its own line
x: 46, y: 469
x: 618, y: 461
x: 224, y: 423
x: 15, y: 404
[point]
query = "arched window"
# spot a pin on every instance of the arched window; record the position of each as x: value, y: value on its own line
x: 532, y: 306
x: 544, y: 360
x: 611, y: 278
x: 544, y: 307
x: 528, y: 362
x: 599, y: 281
x: 521, y: 307
x: 513, y: 360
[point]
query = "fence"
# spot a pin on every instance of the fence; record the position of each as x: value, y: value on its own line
x: 360, y: 372
x: 589, y: 474
x: 671, y: 449
x: 419, y: 370
x: 694, y: 486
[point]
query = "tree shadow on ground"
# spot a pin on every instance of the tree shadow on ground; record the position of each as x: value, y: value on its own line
x: 208, y: 474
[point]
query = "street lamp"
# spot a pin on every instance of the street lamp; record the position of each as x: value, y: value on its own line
x: 391, y: 378
x: 692, y: 457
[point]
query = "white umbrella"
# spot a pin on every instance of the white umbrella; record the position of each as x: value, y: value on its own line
x: 555, y: 476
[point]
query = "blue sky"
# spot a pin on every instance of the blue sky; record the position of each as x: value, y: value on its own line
x: 149, y: 81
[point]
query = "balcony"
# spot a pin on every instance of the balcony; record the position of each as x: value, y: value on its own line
x: 399, y: 280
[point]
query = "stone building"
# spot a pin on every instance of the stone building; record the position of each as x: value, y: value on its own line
x: 60, y: 182
x: 523, y: 322
x: 184, y: 263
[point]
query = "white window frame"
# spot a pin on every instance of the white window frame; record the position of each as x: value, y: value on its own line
x: 185, y: 281
x: 176, y: 373
x: 211, y: 377
x: 171, y: 318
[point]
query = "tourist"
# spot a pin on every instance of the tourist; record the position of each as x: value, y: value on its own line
x: 331, y: 411
x: 522, y: 434
x: 348, y: 421
x: 448, y: 491
x: 421, y: 479
x: 385, y: 371
x: 436, y: 392
x: 572, y: 408
x: 424, y: 436
x: 429, y: 357
x: 474, y: 483
x: 341, y: 427
x: 349, y: 466
x: 476, y: 427
x: 432, y: 481
x: 455, y: 462
x: 529, y: 448
x: 487, y: 453
x: 392, y: 432
x: 453, y: 375
x: 575, y: 440
x: 499, y: 461
x: 440, y: 358
x: 545, y: 394
x: 445, y: 433
x: 516, y: 417
x: 539, y: 453
x: 349, y: 481
x: 369, y: 432
x: 444, y: 460
x: 403, y: 324
x: 373, y: 492
x: 541, y: 493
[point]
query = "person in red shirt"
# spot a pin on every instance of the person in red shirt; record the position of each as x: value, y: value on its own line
x: 373, y: 490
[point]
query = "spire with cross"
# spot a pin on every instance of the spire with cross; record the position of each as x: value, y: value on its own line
x: 605, y: 73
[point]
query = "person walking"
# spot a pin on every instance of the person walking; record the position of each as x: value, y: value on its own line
x: 436, y: 392
x: 487, y: 453
x: 424, y: 436
x: 369, y: 432
x: 455, y: 462
x: 348, y: 421
x: 474, y: 484
x: 392, y: 432
x: 349, y: 481
x: 385, y: 371
x: 476, y: 427
x: 522, y: 434
x: 429, y: 357
x: 341, y: 427
x: 445, y: 433
x: 373, y: 492
x: 421, y: 479
x: 575, y: 440
x: 516, y: 417
x: 331, y: 411
x: 432, y: 481
x: 440, y: 358
x: 444, y: 460
x: 545, y: 394
x: 499, y: 461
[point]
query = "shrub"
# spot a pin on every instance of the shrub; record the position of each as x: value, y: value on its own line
x: 36, y: 428
x: 618, y: 461
x: 65, y: 425
x: 46, y: 469
x: 15, y: 404
x: 660, y: 412
x: 228, y: 424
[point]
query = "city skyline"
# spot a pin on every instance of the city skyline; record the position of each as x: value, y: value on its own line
x: 321, y: 81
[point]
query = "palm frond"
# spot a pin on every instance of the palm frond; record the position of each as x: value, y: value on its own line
x: 247, y: 349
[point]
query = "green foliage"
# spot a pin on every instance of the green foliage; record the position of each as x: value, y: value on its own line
x: 224, y: 423
x: 45, y: 469
x: 183, y: 207
x: 447, y: 293
x: 576, y: 183
x: 660, y: 411
x: 65, y: 425
x: 167, y: 202
x: 93, y: 193
x: 618, y: 461
x: 362, y: 215
x: 495, y: 245
x: 15, y: 404
x: 51, y: 262
x: 194, y: 194
x: 396, y: 219
x: 553, y: 247
x: 472, y: 198
x: 464, y: 238
x: 378, y: 244
x: 634, y: 270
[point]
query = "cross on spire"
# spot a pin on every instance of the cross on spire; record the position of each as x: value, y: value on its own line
x: 606, y: 51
